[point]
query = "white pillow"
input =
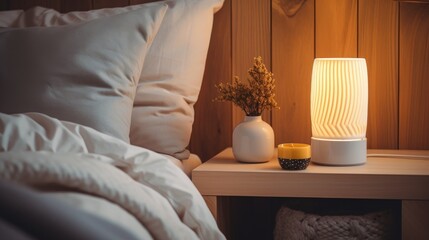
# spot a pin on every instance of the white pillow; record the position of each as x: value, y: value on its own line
x: 171, y: 79
x: 85, y: 73
x: 7, y: 18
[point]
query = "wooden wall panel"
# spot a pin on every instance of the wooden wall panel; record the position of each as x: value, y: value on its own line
x: 31, y: 3
x: 77, y: 5
x: 251, y: 37
x: 414, y: 76
x: 212, y: 131
x: 109, y: 3
x: 336, y: 28
x: 293, y: 54
x: 378, y: 44
x: 67, y: 5
x: 4, y: 5
x: 133, y: 2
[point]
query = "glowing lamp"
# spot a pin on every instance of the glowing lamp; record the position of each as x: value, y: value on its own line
x: 339, y: 110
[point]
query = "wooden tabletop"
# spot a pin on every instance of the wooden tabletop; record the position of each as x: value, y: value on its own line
x: 379, y: 178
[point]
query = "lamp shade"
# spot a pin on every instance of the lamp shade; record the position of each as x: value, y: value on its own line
x: 339, y: 110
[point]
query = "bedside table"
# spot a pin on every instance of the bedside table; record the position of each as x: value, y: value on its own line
x: 403, y: 179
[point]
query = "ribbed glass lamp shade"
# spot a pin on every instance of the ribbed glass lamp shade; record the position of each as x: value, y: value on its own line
x: 339, y: 110
x: 339, y: 98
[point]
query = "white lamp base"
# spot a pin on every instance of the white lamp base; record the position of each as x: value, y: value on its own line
x: 338, y: 152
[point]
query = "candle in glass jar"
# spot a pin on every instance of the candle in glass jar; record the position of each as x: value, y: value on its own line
x: 294, y: 156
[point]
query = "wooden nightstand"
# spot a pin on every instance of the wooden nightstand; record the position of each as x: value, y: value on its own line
x: 405, y: 180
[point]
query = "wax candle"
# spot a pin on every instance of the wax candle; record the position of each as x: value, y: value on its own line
x: 294, y: 156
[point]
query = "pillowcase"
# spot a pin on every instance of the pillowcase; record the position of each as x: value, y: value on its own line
x: 171, y: 79
x: 7, y: 18
x: 85, y: 73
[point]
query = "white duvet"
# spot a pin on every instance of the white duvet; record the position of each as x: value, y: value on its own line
x: 38, y: 150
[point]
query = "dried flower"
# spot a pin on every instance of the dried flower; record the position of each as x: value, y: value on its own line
x: 254, y: 97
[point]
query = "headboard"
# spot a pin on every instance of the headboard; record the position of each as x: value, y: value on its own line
x: 289, y: 34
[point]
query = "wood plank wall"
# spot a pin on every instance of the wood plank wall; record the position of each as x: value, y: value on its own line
x: 212, y: 128
x: 391, y: 35
x: 414, y: 76
x: 68, y: 5
x: 378, y: 44
x: 293, y: 54
x: 289, y: 34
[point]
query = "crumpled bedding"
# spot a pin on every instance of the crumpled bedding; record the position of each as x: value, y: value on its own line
x: 43, y: 152
x: 27, y: 214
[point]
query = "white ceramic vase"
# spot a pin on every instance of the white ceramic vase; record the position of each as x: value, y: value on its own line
x: 253, y: 140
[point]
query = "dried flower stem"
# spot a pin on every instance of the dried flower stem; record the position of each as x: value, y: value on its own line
x: 254, y: 97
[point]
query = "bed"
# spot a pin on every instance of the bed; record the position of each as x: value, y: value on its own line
x: 96, y: 113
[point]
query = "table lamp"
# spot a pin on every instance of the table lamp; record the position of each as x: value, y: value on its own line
x: 339, y: 110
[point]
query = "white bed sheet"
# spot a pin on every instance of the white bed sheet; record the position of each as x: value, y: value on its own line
x: 38, y: 150
x: 102, y: 208
x: 187, y: 165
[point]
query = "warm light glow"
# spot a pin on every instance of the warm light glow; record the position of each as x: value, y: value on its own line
x: 339, y: 98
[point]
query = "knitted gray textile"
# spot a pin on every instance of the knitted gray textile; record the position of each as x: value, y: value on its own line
x: 292, y: 224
